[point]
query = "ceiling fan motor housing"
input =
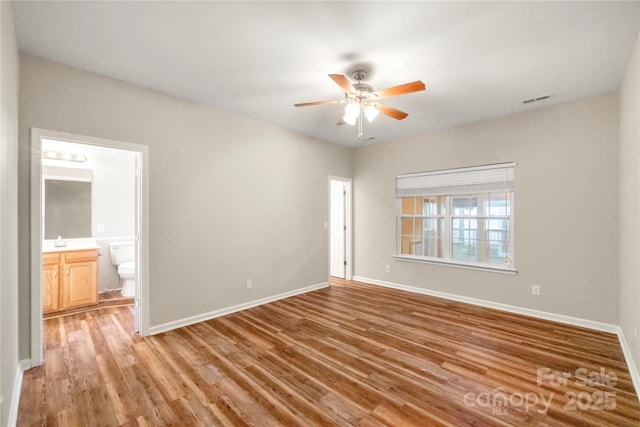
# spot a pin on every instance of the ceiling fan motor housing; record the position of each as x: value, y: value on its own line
x: 363, y: 89
x: 358, y: 75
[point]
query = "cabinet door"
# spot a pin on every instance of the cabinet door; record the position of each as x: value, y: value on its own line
x: 80, y: 284
x: 50, y: 287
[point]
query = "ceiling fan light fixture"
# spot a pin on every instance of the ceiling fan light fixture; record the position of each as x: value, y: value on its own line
x: 350, y: 120
x: 352, y: 109
x: 371, y: 112
x: 351, y: 113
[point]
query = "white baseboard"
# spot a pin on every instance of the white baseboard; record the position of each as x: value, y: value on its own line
x: 631, y: 363
x: 23, y: 365
x: 164, y: 327
x: 576, y: 321
x: 561, y: 318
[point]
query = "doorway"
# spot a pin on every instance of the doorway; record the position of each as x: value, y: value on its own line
x: 340, y: 228
x: 107, y: 223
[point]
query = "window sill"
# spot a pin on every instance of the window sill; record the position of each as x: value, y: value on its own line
x: 482, y: 267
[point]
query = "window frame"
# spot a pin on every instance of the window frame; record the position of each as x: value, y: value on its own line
x: 447, y: 237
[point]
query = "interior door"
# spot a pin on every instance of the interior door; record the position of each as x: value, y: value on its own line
x: 338, y: 229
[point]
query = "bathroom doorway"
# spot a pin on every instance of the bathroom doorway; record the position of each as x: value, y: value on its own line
x: 340, y: 228
x: 102, y: 185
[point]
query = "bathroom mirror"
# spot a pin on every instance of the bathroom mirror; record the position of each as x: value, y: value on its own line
x: 67, y: 203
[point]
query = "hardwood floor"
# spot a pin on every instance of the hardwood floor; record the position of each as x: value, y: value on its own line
x: 350, y: 354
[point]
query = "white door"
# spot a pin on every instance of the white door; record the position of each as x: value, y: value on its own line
x: 337, y: 237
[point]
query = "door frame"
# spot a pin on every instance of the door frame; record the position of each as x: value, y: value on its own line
x: 348, y: 221
x: 141, y: 221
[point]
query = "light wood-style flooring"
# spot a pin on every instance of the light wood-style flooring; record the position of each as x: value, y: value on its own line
x: 350, y: 354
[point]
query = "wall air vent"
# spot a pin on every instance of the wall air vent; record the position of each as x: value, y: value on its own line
x: 537, y: 98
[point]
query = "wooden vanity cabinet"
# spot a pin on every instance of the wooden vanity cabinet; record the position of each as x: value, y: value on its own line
x: 50, y: 282
x: 69, y: 279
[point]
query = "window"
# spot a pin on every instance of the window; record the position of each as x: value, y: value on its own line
x: 458, y: 216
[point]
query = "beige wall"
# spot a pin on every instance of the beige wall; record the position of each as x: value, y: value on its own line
x: 566, y: 207
x: 8, y: 209
x: 629, y: 203
x: 230, y: 198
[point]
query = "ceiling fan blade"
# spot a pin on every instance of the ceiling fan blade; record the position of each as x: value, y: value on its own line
x: 307, y: 104
x: 391, y: 112
x: 341, y: 122
x: 342, y: 82
x: 416, y: 86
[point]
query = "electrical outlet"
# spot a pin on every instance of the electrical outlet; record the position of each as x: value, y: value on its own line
x: 100, y: 227
x: 535, y: 290
x: 249, y: 283
x: 387, y: 268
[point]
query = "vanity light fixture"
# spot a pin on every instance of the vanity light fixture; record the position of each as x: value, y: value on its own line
x: 59, y: 155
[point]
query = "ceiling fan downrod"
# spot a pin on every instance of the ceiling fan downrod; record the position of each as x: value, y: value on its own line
x: 361, y: 97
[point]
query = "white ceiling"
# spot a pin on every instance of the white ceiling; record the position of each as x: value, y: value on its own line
x: 256, y: 59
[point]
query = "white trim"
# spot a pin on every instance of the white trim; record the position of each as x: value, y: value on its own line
x: 37, y: 135
x: 561, y: 318
x: 462, y: 169
x: 631, y: 364
x: 450, y: 263
x: 23, y: 365
x: 348, y: 223
x: 37, y: 343
x: 164, y: 327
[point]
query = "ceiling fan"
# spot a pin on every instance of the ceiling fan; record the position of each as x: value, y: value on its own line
x: 362, y: 100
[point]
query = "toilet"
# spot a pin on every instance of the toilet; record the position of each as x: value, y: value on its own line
x: 123, y: 256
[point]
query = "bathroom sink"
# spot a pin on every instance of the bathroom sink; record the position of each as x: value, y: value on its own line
x: 70, y: 245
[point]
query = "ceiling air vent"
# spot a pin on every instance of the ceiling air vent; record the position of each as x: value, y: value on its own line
x: 537, y: 98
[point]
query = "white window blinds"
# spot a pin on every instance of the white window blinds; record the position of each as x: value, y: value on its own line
x: 477, y: 179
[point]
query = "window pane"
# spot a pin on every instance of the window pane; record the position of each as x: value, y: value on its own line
x: 500, y: 204
x: 408, y: 206
x: 433, y: 206
x: 407, y: 226
x: 411, y: 245
x: 460, y: 206
x: 433, y: 226
x: 432, y: 246
x: 465, y: 206
x: 432, y: 237
x: 498, y: 251
x: 465, y: 250
x: 407, y: 244
x: 463, y: 228
x: 497, y: 224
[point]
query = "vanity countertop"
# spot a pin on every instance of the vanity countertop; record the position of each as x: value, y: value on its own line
x: 71, y: 245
